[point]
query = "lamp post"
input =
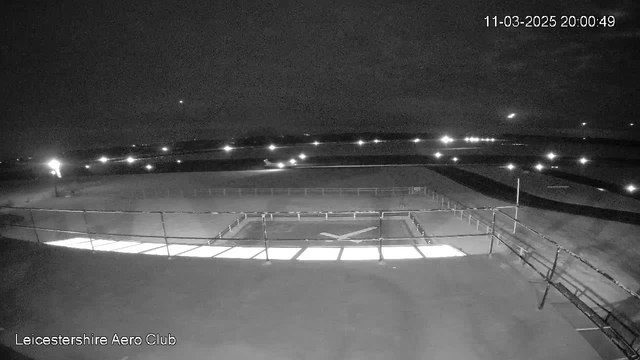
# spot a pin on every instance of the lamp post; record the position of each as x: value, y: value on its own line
x: 55, y: 167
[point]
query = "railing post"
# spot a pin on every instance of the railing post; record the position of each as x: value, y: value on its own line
x: 549, y: 278
x: 380, y: 258
x: 493, y: 231
x: 358, y: 191
x: 265, y: 239
x: 86, y: 225
x: 164, y: 234
x: 33, y: 225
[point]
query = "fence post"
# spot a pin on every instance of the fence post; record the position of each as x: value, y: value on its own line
x: 255, y: 193
x: 164, y: 234
x: 493, y: 231
x: 305, y: 191
x: 33, y: 225
x: 358, y: 190
x: 442, y: 206
x: 265, y: 239
x: 549, y: 278
x: 86, y: 225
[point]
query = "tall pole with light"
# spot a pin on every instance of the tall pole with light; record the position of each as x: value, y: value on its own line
x: 55, y: 170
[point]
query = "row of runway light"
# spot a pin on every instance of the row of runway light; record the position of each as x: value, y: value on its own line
x: 258, y: 253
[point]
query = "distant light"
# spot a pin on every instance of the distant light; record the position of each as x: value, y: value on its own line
x: 455, y: 159
x: 584, y: 124
x: 584, y: 138
x: 583, y: 160
x: 302, y: 156
x: 130, y: 160
x: 103, y: 159
x: 55, y: 166
x: 376, y: 141
x: 134, y: 145
x: 53, y: 172
x: 492, y: 139
x: 466, y: 139
x: 601, y: 189
x: 511, y: 116
x: 316, y: 143
x: 87, y: 166
x: 511, y: 166
x: 227, y: 148
x: 539, y: 167
x: 631, y: 188
x: 437, y: 155
x: 149, y: 167
x: 446, y: 139
x: 165, y: 149
x: 551, y: 156
x: 179, y: 161
x: 181, y: 101
x: 360, y: 142
x: 280, y: 165
x: 416, y: 140
x: 292, y: 161
x: 554, y: 167
x: 631, y: 124
x: 272, y: 147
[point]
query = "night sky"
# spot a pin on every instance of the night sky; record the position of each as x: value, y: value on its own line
x: 89, y: 73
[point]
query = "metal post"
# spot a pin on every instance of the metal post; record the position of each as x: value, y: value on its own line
x: 549, y: 278
x: 265, y: 238
x: 448, y: 204
x: 86, y: 225
x: 33, y: 225
x: 493, y: 231
x: 515, y: 222
x: 305, y: 191
x: 477, y: 224
x: 322, y: 191
x: 358, y: 190
x: 298, y: 216
x: 164, y: 234
x: 271, y: 191
x: 255, y: 191
x: 442, y: 206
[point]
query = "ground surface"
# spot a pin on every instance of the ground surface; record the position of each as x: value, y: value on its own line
x: 610, y: 246
x: 476, y: 308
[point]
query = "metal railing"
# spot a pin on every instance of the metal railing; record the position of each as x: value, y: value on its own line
x: 211, y: 192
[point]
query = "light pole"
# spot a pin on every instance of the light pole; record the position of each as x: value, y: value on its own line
x: 55, y: 167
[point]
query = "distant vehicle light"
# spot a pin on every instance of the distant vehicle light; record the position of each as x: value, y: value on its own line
x: 539, y: 167
x: 272, y: 147
x: 149, y: 167
x: 511, y: 166
x: 165, y: 149
x: 493, y: 140
x: 179, y: 161
x: 376, y: 141
x: 437, y: 155
x: 446, y: 139
x: 131, y: 160
x: 584, y: 124
x: 631, y: 188
x: 280, y: 165
x: 103, y: 159
x: 316, y: 143
x: 416, y: 140
x: 511, y: 116
x: 87, y: 166
x: 551, y: 156
x: 302, y: 156
x: 554, y: 167
x: 583, y: 160
x: 227, y: 148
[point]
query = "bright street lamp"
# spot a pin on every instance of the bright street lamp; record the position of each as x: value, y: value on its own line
x: 511, y: 166
x: 583, y: 160
x: 130, y: 160
x: 227, y: 148
x: 272, y: 147
x: 551, y: 156
x: 631, y: 188
x: 165, y: 149
x: 103, y: 159
x: 149, y: 167
x: 302, y: 156
x: 416, y: 140
x: 55, y: 166
x: 446, y: 139
x: 316, y: 143
x: 539, y: 167
x: 437, y: 155
x: 360, y: 142
x: 179, y: 161
x: 376, y: 141
x: 455, y: 159
x: 280, y: 165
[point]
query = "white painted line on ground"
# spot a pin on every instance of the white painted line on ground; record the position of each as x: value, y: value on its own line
x: 315, y: 253
x: 161, y: 251
x: 279, y: 254
x: 116, y: 245
x: 360, y: 253
x: 400, y: 252
x: 240, y: 252
x: 176, y: 249
x: 67, y: 242
x: 140, y: 248
x: 205, y: 251
x: 348, y: 235
x: 438, y: 251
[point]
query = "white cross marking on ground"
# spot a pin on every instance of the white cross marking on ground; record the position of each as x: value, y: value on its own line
x: 347, y: 236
